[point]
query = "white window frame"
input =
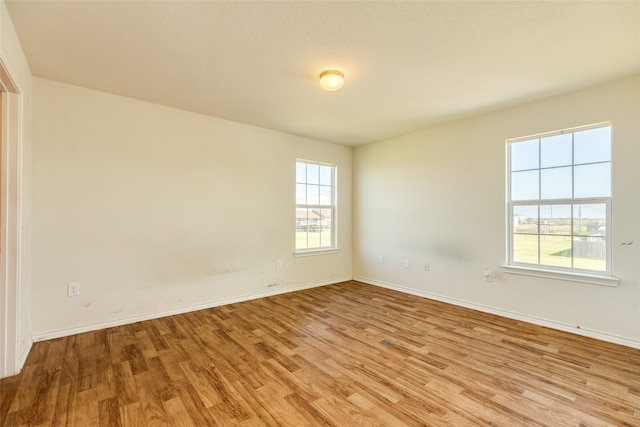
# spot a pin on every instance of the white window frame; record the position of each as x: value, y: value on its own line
x: 332, y: 206
x: 541, y: 270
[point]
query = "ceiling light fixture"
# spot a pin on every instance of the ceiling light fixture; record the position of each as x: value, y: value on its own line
x: 331, y: 80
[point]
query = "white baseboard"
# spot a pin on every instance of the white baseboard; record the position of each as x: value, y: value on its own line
x: 603, y: 336
x: 25, y: 354
x: 20, y: 361
x: 59, y: 333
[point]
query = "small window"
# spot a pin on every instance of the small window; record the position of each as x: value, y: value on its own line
x: 315, y: 206
x: 559, y: 197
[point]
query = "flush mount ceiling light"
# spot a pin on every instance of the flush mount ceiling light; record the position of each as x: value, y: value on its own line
x: 331, y: 80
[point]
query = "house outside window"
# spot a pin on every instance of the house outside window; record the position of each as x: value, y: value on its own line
x: 315, y: 206
x: 559, y: 200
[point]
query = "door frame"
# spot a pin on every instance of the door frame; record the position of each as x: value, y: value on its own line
x: 10, y: 224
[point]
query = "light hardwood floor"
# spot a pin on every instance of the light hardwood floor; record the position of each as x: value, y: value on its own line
x: 348, y: 354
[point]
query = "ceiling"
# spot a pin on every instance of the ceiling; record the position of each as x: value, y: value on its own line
x: 407, y: 65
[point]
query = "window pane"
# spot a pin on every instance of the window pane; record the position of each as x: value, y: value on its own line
x: 590, y: 219
x: 555, y: 219
x: 324, y: 228
x: 317, y: 221
x: 555, y: 251
x: 524, y: 155
x: 555, y: 183
x: 325, y: 175
x: 525, y: 248
x: 556, y: 151
x: 525, y: 185
x: 525, y: 219
x: 590, y: 253
x: 593, y: 180
x: 325, y: 195
x: 313, y: 173
x: 593, y: 145
x: 301, y: 194
x: 313, y: 194
x: 302, y: 225
x: 301, y: 240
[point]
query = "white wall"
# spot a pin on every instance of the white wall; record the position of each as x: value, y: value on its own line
x: 438, y: 196
x: 18, y: 293
x: 155, y: 210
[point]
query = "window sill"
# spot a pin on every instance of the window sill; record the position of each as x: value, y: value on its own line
x: 592, y: 279
x: 312, y: 252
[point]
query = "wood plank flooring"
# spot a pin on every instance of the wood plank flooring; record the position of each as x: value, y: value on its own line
x: 348, y: 354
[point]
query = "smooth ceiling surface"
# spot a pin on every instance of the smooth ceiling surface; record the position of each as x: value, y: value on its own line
x: 407, y: 65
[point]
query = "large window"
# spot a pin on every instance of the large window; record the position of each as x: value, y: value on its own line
x: 315, y: 206
x: 559, y: 197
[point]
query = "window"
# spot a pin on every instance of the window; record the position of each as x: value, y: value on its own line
x: 315, y: 206
x: 559, y: 200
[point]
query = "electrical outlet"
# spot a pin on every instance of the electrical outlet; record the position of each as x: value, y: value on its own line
x: 426, y: 266
x: 73, y: 290
x: 278, y: 263
x: 407, y: 263
x: 381, y: 259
